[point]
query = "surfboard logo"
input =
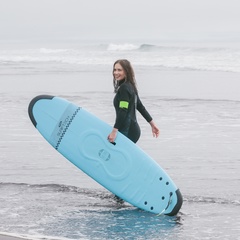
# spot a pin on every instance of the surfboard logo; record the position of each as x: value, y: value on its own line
x: 104, y: 155
x: 60, y: 124
x: 63, y: 125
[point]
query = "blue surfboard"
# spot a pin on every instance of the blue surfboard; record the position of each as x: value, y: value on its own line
x: 122, y: 168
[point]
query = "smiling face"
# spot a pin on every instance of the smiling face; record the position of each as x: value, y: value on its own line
x: 118, y: 72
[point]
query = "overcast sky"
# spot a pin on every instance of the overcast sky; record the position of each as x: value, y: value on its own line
x: 124, y: 19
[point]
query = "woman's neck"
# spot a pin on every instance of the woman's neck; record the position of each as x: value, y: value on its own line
x: 120, y: 82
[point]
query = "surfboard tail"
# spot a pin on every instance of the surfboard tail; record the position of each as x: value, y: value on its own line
x: 178, y: 205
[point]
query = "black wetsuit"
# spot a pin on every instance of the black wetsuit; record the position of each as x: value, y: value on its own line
x: 126, y: 102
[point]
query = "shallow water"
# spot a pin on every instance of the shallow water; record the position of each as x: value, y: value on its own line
x: 44, y: 196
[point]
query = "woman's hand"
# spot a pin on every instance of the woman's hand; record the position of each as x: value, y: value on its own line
x: 112, y: 136
x: 155, y: 130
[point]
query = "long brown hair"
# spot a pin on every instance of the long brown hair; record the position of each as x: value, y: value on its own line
x: 130, y: 76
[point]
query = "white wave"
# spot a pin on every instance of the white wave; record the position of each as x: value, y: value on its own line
x: 122, y: 47
x: 206, y: 59
x: 47, y: 50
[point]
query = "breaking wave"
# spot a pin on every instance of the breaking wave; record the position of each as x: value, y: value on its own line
x: 148, y: 55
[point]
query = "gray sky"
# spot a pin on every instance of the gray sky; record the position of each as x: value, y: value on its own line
x: 124, y: 19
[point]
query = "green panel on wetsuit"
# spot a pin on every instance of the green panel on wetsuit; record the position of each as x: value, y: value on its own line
x: 123, y: 104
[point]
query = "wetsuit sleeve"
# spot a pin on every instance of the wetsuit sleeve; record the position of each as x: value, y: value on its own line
x: 124, y: 99
x: 143, y: 110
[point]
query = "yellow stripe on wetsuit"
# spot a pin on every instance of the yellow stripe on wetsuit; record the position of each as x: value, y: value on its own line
x: 123, y: 104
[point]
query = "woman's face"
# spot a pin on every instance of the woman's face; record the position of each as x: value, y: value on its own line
x: 118, y: 72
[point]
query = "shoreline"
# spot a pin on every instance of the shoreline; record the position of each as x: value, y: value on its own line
x: 4, y: 236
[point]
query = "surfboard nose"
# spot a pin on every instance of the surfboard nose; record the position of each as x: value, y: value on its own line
x: 32, y: 103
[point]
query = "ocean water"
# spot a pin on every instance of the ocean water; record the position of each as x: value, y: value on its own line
x: 191, y: 90
x: 192, y: 56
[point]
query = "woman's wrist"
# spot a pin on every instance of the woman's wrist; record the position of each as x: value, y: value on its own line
x: 152, y: 123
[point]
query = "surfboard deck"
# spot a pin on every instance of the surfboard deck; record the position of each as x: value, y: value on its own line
x: 122, y: 168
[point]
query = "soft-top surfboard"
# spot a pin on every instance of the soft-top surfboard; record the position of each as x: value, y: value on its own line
x: 122, y: 168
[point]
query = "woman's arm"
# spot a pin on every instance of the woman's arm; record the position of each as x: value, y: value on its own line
x: 112, y: 136
x: 155, y: 129
x: 147, y: 116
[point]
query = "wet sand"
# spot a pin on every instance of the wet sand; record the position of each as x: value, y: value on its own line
x: 7, y: 237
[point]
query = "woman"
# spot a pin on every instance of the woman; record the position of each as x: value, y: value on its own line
x: 126, y: 101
